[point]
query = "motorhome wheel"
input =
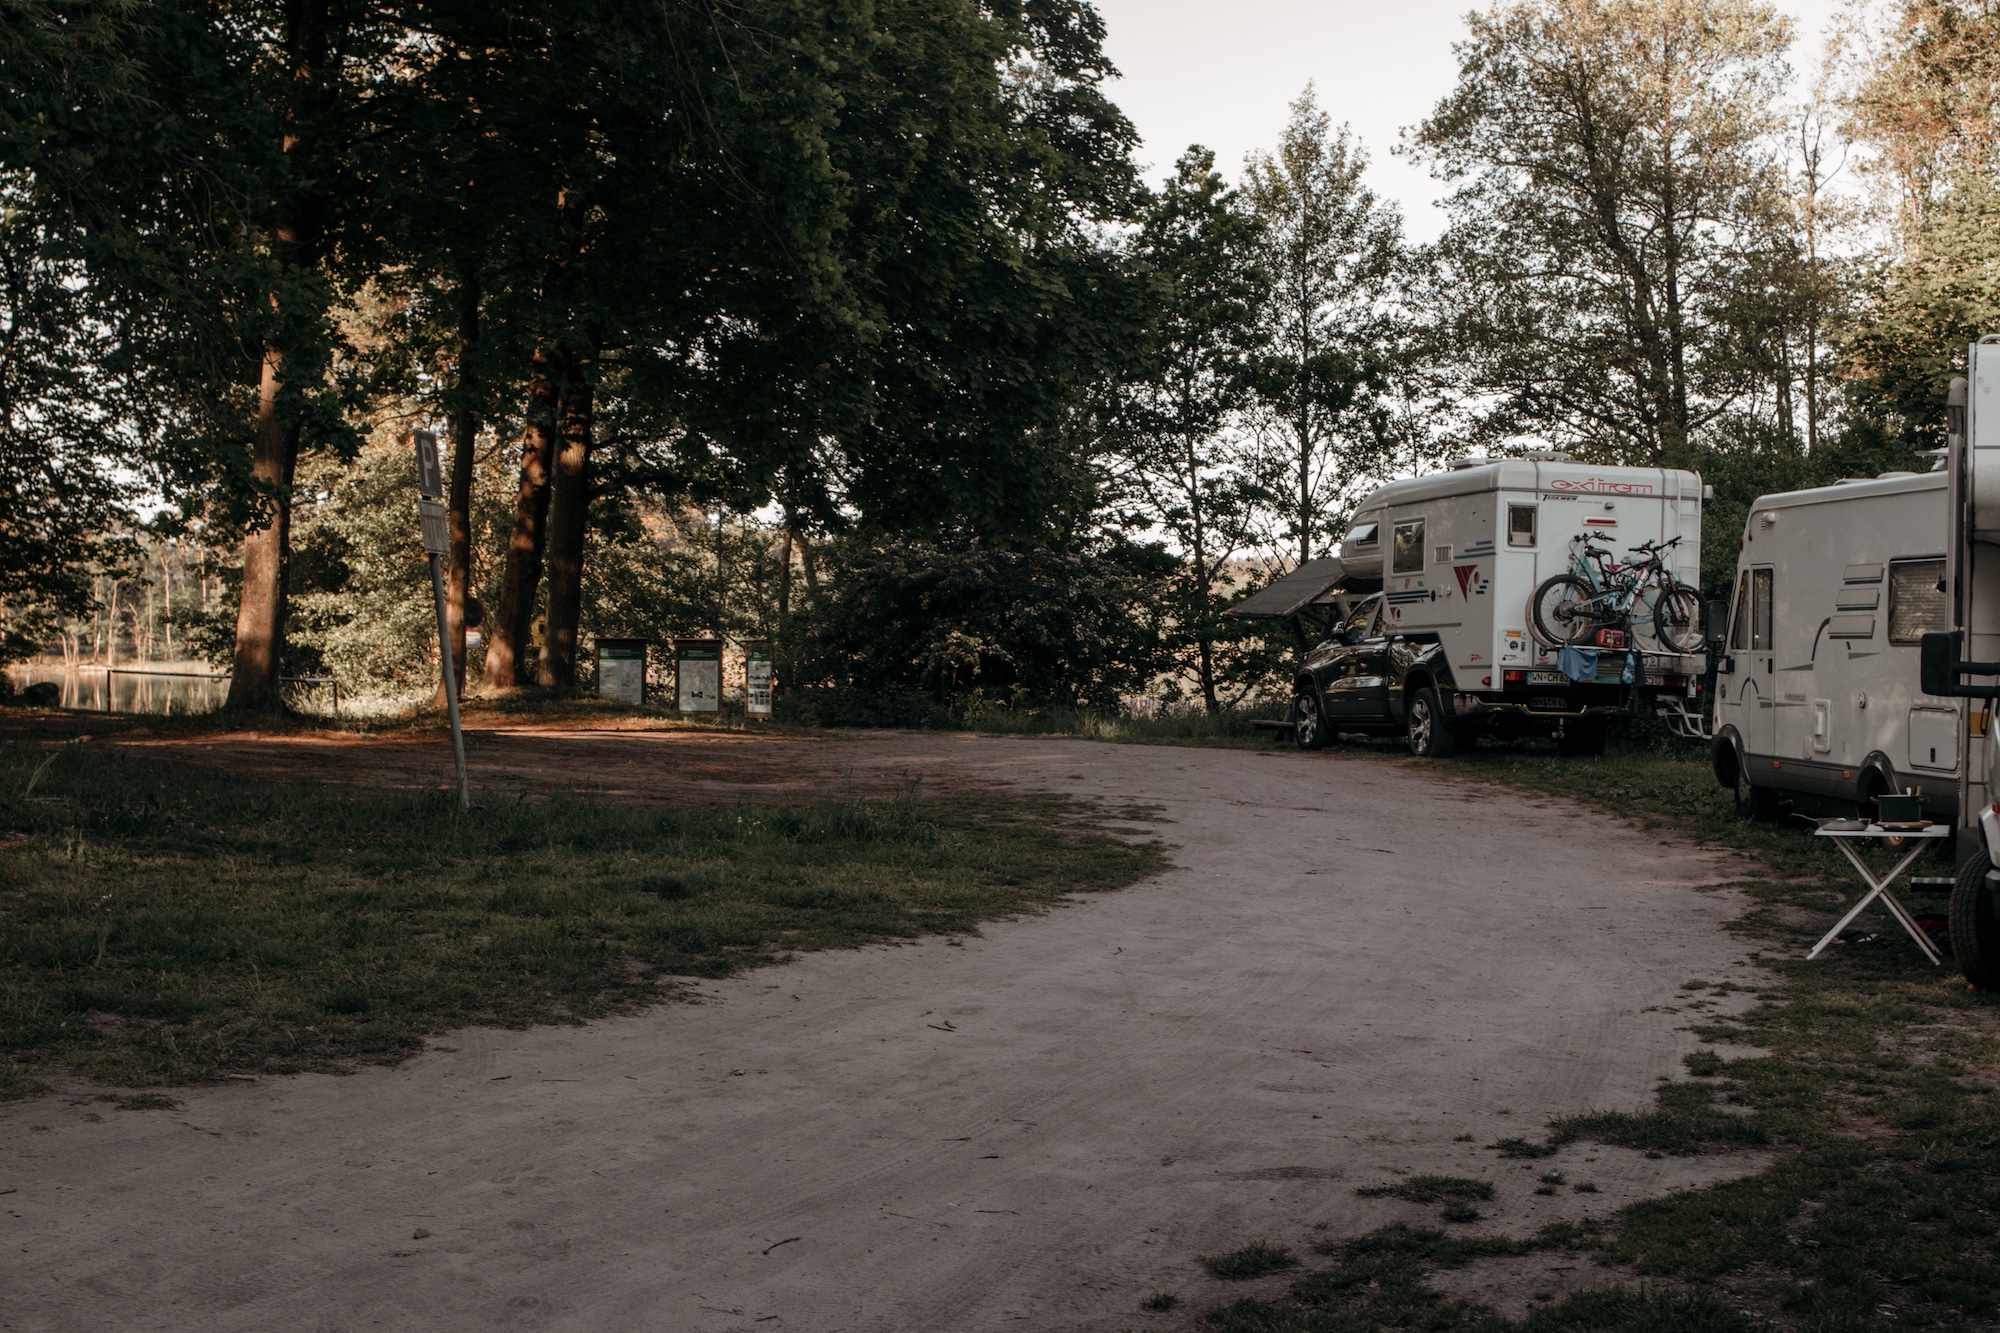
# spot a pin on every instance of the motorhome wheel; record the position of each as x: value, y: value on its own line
x: 1975, y: 929
x: 1308, y: 722
x: 1753, y: 802
x: 1431, y: 737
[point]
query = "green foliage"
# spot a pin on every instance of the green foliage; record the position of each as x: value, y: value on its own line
x: 1616, y: 247
x: 1011, y: 629
x: 1327, y: 374
x: 169, y: 925
x: 1252, y: 1260
x: 1922, y: 310
x: 1429, y: 1189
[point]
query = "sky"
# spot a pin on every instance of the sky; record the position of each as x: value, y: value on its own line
x: 1222, y: 75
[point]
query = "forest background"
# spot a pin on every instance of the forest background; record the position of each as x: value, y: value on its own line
x: 852, y: 326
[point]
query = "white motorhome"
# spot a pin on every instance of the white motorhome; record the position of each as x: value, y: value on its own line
x: 1817, y: 692
x: 1433, y: 584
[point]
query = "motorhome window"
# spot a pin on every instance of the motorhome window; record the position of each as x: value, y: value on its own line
x: 1363, y: 534
x: 1916, y: 604
x: 1739, y: 634
x: 1521, y: 525
x: 1408, y: 555
x: 1760, y: 610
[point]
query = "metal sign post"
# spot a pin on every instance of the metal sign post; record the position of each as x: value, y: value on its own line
x: 436, y: 525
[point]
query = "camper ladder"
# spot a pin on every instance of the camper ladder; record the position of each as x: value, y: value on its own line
x: 1693, y: 726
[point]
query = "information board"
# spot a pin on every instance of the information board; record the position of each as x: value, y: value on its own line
x: 621, y: 670
x: 757, y: 678
x: 698, y: 675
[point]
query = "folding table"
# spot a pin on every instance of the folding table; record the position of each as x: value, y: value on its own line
x: 1879, y: 888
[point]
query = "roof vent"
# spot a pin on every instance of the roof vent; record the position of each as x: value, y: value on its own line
x: 1895, y: 476
x: 1464, y: 461
x: 1547, y: 456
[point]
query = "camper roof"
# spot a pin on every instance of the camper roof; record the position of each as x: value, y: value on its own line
x: 1524, y: 474
x: 1889, y: 483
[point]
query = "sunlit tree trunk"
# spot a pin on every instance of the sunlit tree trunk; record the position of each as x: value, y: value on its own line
x: 260, y: 615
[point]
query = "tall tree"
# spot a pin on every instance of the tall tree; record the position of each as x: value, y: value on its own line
x: 1183, y: 467
x: 1326, y: 376
x: 1617, y: 202
x: 317, y: 54
x: 1923, y: 105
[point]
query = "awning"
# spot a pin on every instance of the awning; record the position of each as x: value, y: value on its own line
x: 1296, y: 591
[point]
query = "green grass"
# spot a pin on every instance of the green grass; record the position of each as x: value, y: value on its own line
x: 167, y: 924
x: 1252, y: 1260
x: 1879, y: 1096
x: 1429, y: 1189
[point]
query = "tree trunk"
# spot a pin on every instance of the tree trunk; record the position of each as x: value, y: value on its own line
x: 785, y: 573
x: 507, y: 634
x: 464, y: 436
x: 267, y: 551
x: 569, y: 522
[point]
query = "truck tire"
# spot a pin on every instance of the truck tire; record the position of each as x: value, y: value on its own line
x: 1975, y: 924
x: 1582, y: 740
x: 1309, y: 722
x: 1753, y: 802
x: 1431, y: 736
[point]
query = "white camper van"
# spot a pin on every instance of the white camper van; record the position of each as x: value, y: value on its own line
x: 1433, y: 585
x: 1817, y: 693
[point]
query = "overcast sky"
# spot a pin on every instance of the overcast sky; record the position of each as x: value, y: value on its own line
x: 1222, y: 74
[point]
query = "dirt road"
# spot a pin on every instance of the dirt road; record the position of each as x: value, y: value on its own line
x: 1355, y: 965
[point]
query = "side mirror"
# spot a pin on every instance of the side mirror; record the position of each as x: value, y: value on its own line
x: 1938, y: 658
x: 1725, y: 666
x: 1940, y: 668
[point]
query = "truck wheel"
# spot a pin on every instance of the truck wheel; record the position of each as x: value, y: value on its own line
x: 1308, y: 722
x: 1975, y: 927
x: 1753, y: 802
x: 1431, y: 736
x: 1582, y: 740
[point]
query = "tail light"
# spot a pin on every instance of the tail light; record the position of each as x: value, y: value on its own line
x: 1486, y: 680
x: 1514, y: 678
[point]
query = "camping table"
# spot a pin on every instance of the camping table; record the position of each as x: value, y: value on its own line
x: 1879, y: 888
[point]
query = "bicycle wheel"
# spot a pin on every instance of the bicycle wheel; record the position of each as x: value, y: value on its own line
x: 1680, y: 619
x: 1563, y: 610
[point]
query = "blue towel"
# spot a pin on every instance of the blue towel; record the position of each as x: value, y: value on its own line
x: 1578, y: 664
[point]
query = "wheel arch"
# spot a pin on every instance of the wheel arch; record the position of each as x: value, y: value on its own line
x: 1725, y: 757
x: 1877, y: 774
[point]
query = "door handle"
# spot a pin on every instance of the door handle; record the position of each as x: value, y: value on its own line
x: 1770, y: 665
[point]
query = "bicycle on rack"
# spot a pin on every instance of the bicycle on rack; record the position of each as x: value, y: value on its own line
x: 1597, y: 594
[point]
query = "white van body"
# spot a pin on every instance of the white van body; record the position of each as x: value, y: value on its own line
x: 1460, y: 554
x: 1817, y: 691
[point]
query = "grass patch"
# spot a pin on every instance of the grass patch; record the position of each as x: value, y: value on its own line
x: 1430, y: 1189
x: 1253, y: 1260
x: 1160, y: 1302
x: 165, y: 924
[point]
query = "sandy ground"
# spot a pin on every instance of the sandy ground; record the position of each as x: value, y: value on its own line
x: 1354, y: 964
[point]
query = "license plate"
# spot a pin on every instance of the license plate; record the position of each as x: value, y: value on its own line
x: 1547, y: 678
x: 1547, y: 704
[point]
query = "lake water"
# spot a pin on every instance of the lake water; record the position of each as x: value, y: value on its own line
x: 182, y: 691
